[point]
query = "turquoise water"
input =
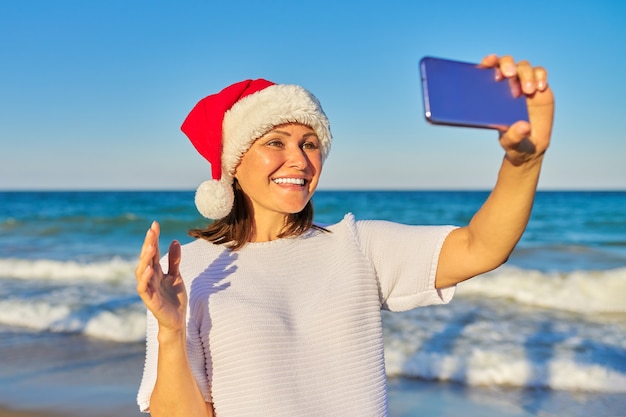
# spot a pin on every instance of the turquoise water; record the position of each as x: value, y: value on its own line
x: 590, y: 227
x: 554, y: 317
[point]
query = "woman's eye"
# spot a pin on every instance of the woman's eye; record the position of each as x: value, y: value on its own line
x: 310, y: 145
x: 274, y: 143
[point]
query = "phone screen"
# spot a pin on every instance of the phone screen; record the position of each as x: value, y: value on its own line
x: 464, y: 94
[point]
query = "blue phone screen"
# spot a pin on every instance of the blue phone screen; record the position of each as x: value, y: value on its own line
x: 463, y: 94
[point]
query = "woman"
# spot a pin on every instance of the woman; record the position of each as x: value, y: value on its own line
x: 268, y: 314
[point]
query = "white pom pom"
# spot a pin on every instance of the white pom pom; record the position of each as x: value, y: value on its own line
x: 214, y: 199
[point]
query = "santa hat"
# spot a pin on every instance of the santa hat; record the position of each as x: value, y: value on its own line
x: 223, y: 126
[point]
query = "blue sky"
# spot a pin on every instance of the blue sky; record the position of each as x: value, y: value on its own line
x: 92, y: 93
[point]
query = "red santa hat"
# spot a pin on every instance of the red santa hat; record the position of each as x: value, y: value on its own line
x: 223, y: 126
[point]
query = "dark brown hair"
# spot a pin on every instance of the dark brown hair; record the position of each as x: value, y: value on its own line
x: 236, y: 229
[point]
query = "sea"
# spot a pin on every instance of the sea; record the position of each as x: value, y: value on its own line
x: 552, y: 318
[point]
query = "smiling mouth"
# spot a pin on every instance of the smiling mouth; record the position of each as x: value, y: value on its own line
x: 295, y: 181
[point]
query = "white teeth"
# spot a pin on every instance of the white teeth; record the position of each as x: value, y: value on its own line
x: 298, y: 181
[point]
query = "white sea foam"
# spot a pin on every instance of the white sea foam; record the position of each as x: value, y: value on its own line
x: 112, y: 270
x: 97, y: 299
x: 126, y: 324
x: 509, y: 327
x: 578, y: 291
x: 120, y: 326
x: 37, y: 315
x: 491, y: 341
x: 482, y: 367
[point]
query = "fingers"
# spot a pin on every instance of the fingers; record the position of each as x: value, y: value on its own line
x: 519, y: 147
x: 150, y: 243
x: 153, y: 239
x: 150, y: 248
x: 523, y: 78
x: 541, y: 76
x: 148, y: 258
x: 525, y: 141
x: 490, y: 60
x: 515, y: 135
x: 526, y: 77
x: 174, y: 258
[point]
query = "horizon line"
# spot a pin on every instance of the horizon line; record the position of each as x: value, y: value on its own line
x: 346, y: 189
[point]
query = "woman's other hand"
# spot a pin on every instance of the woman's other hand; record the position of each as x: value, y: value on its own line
x: 163, y: 294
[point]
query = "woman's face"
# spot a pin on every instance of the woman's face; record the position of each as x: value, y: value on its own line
x: 280, y: 171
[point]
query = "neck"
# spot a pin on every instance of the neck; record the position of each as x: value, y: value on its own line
x: 267, y: 228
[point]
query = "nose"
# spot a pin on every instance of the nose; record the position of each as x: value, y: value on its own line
x: 297, y: 158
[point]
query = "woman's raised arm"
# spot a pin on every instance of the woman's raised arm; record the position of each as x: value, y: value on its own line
x: 176, y: 392
x: 496, y: 228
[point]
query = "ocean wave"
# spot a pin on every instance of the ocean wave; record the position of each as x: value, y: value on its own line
x: 562, y: 330
x: 583, y: 292
x: 125, y: 324
x: 97, y: 299
x: 482, y: 367
x: 113, y: 270
x: 418, y: 345
x: 588, y: 292
x: 493, y: 342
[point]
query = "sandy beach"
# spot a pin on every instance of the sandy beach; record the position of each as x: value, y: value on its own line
x: 56, y: 374
x: 7, y: 412
x: 53, y: 375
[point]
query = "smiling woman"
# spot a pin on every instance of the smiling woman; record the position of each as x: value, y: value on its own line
x: 223, y: 126
x: 278, y: 176
x: 269, y: 313
x: 273, y: 184
x: 266, y: 144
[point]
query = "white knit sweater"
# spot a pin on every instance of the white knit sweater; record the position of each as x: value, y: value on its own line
x: 292, y: 327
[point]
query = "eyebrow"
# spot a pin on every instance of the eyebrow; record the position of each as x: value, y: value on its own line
x: 285, y: 133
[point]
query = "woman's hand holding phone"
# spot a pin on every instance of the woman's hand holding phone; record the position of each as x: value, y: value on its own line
x: 496, y: 228
x: 524, y: 141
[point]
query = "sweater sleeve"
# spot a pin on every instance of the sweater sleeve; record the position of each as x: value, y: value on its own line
x: 195, y: 353
x: 405, y: 260
x: 150, y: 367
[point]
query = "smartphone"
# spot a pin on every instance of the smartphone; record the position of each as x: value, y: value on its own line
x: 463, y: 94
